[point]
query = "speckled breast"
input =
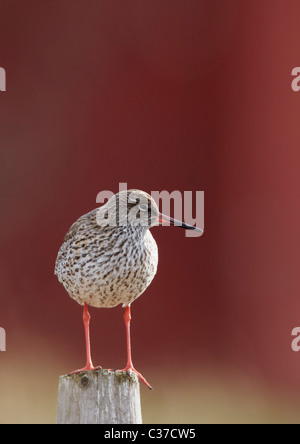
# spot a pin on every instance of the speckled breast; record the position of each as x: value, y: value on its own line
x: 107, y: 269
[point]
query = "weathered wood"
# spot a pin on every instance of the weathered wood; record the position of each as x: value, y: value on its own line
x: 99, y: 397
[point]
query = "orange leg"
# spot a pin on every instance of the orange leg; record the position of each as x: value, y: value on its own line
x: 89, y: 364
x: 129, y: 366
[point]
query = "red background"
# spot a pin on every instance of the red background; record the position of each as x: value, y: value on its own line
x: 162, y: 95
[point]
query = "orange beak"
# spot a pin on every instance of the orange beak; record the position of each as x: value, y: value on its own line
x: 167, y: 220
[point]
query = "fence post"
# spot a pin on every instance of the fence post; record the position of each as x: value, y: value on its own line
x: 99, y: 397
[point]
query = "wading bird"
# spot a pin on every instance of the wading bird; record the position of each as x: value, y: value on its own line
x: 109, y: 257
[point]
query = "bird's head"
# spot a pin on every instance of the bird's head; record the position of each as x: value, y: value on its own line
x: 136, y: 208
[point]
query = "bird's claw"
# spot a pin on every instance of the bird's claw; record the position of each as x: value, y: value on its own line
x: 130, y: 370
x: 87, y: 368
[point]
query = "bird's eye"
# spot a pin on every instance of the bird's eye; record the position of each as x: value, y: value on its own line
x: 143, y: 207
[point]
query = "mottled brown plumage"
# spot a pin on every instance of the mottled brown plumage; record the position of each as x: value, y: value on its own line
x: 104, y: 266
x: 109, y: 257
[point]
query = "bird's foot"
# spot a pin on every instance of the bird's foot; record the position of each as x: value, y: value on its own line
x: 87, y: 368
x: 131, y: 369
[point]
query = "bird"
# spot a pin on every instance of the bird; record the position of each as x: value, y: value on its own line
x: 109, y: 257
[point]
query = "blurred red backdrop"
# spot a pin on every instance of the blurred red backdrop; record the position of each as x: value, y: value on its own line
x: 170, y: 95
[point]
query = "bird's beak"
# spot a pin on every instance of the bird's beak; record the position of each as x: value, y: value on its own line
x: 167, y: 220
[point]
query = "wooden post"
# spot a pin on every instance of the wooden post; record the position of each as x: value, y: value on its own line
x: 99, y: 397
